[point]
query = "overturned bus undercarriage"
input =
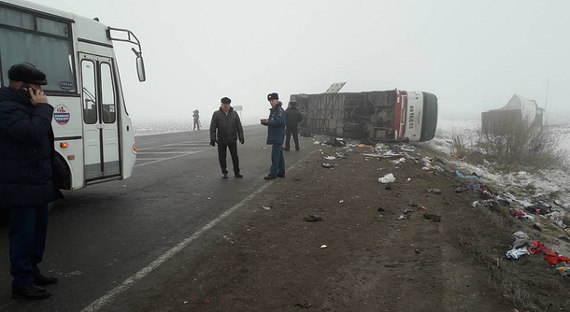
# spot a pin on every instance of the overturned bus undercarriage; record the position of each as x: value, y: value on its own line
x: 374, y: 116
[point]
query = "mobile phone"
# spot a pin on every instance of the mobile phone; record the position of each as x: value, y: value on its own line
x: 25, y: 89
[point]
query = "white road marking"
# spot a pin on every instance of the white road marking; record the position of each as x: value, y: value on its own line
x: 162, y: 152
x: 129, y: 282
x: 168, y: 158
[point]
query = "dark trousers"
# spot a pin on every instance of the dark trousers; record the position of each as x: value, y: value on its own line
x: 28, y: 228
x: 295, y: 132
x: 277, y: 161
x: 222, y: 148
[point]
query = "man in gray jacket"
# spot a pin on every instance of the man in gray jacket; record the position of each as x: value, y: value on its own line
x: 226, y: 123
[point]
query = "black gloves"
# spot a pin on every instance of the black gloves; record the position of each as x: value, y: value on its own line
x: 242, y: 141
x: 213, y: 142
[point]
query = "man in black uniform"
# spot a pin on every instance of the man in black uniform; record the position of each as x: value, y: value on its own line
x: 294, y: 117
x: 26, y: 181
x: 228, y: 126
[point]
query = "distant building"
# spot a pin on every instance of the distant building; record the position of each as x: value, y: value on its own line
x: 518, y: 110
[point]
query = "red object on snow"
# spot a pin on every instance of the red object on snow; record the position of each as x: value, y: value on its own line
x: 549, y: 255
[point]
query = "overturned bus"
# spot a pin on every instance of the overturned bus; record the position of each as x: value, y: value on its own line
x: 374, y: 116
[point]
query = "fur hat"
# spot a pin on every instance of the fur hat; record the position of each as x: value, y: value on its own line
x: 272, y: 96
x: 226, y: 100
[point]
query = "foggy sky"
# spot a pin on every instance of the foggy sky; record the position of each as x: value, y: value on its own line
x: 474, y: 55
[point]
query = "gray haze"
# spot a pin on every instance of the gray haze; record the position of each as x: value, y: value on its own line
x: 474, y: 55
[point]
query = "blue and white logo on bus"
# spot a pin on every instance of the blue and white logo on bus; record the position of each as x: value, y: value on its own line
x: 61, y: 114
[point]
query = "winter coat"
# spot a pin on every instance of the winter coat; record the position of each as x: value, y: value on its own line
x: 228, y: 127
x: 26, y: 151
x: 276, y: 125
x: 294, y: 116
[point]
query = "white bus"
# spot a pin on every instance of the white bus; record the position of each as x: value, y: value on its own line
x: 94, y: 136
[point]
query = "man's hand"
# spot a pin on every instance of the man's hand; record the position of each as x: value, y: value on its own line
x: 242, y: 141
x: 213, y: 142
x: 264, y: 121
x: 38, y: 96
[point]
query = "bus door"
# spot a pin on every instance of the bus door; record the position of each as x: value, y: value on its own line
x: 100, y: 124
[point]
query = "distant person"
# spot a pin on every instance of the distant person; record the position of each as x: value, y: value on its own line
x: 227, y: 124
x: 275, y: 136
x: 196, y: 116
x: 294, y: 116
x: 26, y: 181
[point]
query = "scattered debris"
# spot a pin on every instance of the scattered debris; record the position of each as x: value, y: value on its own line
x: 323, y: 246
x: 405, y: 214
x: 380, y: 209
x: 389, y: 178
x: 399, y: 161
x: 434, y: 191
x: 267, y: 207
x: 327, y: 165
x: 330, y: 158
x: 312, y: 218
x: 432, y: 217
x: 519, y: 246
x: 549, y: 255
x: 521, y: 215
x: 564, y: 270
x: 557, y: 217
x: 473, y: 176
x: 517, y: 253
x: 521, y: 240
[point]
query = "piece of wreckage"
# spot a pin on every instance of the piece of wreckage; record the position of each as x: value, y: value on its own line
x: 374, y: 116
x: 518, y: 113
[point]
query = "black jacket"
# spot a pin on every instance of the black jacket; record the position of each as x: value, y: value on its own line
x: 26, y: 151
x: 294, y: 116
x: 228, y: 127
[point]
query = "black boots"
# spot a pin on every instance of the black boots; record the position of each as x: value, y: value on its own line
x: 30, y: 292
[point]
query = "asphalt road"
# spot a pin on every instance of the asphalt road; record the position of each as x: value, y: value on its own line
x: 101, y: 236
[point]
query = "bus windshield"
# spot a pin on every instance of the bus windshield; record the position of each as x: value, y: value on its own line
x: 51, y: 42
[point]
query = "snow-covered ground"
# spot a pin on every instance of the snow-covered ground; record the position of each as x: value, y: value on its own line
x: 544, y: 181
x: 552, y: 185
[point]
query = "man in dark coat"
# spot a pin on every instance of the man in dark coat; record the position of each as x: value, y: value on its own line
x: 26, y: 182
x: 275, y: 136
x: 294, y: 116
x: 226, y: 123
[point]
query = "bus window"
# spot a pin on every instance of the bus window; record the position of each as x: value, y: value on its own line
x: 107, y: 94
x: 52, y: 27
x: 16, y: 18
x: 89, y: 92
x: 43, y: 42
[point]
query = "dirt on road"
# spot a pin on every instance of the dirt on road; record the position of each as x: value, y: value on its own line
x: 336, y: 239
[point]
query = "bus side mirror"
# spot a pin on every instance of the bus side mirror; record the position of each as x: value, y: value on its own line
x: 140, y: 68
